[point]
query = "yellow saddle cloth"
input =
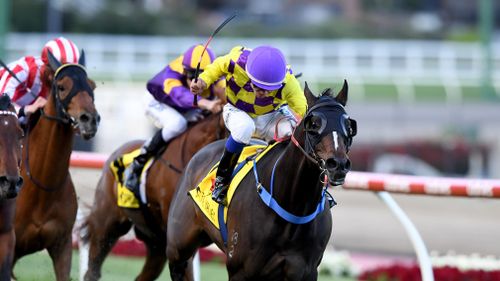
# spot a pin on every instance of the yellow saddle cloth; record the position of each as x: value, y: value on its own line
x: 202, y: 195
x: 125, y: 197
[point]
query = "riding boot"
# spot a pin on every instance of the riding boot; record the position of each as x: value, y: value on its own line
x: 134, y: 170
x: 223, y: 176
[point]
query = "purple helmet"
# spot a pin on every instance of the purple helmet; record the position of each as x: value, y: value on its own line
x: 266, y: 67
x: 193, y: 55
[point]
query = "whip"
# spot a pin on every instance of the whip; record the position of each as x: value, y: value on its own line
x: 197, y: 71
x: 13, y: 75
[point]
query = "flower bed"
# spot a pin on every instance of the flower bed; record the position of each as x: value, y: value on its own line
x: 412, y: 273
x: 449, y: 267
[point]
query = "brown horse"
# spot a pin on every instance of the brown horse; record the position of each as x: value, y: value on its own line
x: 285, y: 241
x: 107, y: 222
x: 10, y: 181
x: 47, y: 205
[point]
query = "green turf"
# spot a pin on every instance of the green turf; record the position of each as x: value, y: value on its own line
x: 422, y: 93
x: 38, y: 267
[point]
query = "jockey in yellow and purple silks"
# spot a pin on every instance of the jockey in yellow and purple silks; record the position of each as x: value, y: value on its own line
x: 171, y: 106
x: 260, y: 89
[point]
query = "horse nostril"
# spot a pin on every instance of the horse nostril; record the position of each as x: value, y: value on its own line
x: 338, y: 164
x: 20, y: 182
x: 11, y: 181
x: 347, y: 165
x: 84, y: 118
x: 331, y: 164
x: 98, y: 119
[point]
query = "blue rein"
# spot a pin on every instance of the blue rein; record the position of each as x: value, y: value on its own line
x: 267, y: 198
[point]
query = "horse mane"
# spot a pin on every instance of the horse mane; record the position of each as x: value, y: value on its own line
x: 327, y: 92
x: 33, y: 118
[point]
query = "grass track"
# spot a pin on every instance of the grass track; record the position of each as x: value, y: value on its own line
x: 38, y: 267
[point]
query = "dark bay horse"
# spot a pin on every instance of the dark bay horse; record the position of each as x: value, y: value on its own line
x: 107, y: 222
x: 47, y: 204
x: 264, y: 244
x: 10, y: 181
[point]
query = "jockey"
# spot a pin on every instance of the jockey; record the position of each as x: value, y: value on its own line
x: 260, y: 91
x: 170, y: 100
x: 30, y: 86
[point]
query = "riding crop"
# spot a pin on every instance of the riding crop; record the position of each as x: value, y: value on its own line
x: 12, y: 73
x: 197, y: 71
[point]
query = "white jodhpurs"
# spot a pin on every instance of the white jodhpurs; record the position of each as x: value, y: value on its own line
x: 171, y: 122
x: 243, y: 127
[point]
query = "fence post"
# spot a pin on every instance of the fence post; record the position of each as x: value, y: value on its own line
x: 4, y: 26
x: 417, y: 241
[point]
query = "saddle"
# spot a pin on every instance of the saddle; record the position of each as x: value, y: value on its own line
x: 125, y: 198
x: 202, y: 194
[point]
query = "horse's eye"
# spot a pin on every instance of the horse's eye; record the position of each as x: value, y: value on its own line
x: 313, y: 124
x: 353, y: 127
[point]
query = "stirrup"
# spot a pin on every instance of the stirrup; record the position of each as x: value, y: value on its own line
x: 132, y: 177
x: 219, y: 192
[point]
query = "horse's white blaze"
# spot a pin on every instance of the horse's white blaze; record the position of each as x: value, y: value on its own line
x: 335, y: 139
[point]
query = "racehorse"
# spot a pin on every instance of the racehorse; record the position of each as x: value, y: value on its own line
x: 263, y: 243
x: 47, y: 204
x: 10, y: 181
x: 107, y: 222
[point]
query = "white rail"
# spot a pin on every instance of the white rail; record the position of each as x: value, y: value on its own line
x: 401, y: 63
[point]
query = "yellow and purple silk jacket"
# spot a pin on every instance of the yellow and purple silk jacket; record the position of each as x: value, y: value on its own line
x: 170, y: 87
x: 239, y: 92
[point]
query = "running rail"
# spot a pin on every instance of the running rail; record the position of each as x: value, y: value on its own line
x: 437, y: 186
x: 382, y: 185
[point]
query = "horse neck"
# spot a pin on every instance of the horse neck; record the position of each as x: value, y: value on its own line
x: 297, y: 187
x: 50, y: 144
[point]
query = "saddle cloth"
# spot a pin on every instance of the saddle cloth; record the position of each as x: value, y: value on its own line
x: 202, y: 195
x: 125, y: 197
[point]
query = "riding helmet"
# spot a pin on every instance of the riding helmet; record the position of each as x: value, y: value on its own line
x: 266, y: 67
x: 192, y: 57
x: 63, y: 49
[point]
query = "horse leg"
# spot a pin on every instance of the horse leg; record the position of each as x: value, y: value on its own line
x: 60, y: 253
x: 7, y: 241
x: 155, y: 257
x: 183, y: 240
x: 181, y: 270
x: 102, y: 235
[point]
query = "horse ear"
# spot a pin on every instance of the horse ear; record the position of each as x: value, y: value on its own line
x: 311, y: 99
x: 81, y: 61
x: 4, y: 102
x: 342, y: 95
x: 54, y: 63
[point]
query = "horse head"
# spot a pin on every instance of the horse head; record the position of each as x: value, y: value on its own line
x: 10, y: 150
x: 328, y: 133
x: 73, y: 95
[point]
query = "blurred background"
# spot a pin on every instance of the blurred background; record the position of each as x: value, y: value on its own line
x: 424, y: 75
x: 424, y: 79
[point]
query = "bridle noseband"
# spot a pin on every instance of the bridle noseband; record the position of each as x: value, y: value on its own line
x: 62, y: 114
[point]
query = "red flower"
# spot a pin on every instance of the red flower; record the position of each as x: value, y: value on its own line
x: 398, y: 272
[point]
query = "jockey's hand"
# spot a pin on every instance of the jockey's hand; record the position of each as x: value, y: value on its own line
x: 197, y: 87
x: 213, y: 106
x: 39, y: 103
